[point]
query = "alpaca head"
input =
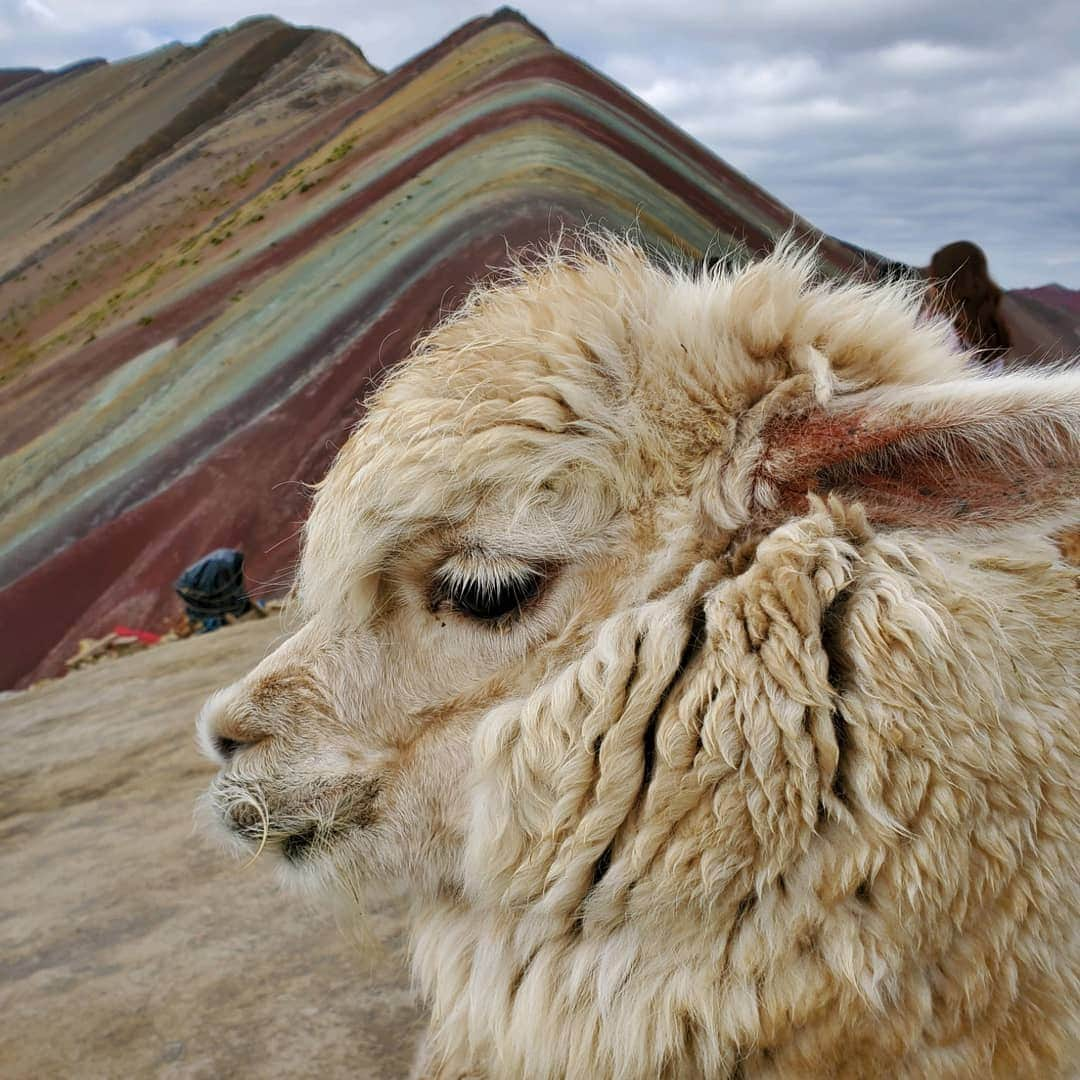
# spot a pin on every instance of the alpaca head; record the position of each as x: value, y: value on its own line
x: 508, y: 571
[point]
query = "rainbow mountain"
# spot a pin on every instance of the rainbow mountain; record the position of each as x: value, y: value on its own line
x: 209, y: 254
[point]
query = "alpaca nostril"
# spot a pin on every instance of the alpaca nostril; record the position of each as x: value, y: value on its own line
x: 227, y: 726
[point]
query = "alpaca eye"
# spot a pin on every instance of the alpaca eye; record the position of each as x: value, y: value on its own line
x: 493, y: 598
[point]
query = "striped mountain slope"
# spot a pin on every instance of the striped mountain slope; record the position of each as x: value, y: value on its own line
x: 193, y: 308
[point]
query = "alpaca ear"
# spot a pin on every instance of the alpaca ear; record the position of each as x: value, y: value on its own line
x: 988, y: 453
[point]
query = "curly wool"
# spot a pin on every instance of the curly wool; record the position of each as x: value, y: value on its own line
x: 813, y: 818
x: 843, y: 857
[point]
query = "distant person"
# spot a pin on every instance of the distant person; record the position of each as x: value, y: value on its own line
x: 962, y: 289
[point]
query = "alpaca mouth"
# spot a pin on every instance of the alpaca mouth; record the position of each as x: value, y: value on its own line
x: 299, y: 829
x: 296, y: 843
x: 297, y: 846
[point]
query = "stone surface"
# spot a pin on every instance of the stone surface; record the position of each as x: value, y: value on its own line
x: 129, y: 946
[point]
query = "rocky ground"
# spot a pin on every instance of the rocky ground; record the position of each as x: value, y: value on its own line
x: 129, y: 946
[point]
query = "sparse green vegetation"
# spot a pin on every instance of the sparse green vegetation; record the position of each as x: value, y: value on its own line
x: 146, y: 320
x: 241, y: 178
x: 340, y: 151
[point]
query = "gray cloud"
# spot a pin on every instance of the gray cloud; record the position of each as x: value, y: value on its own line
x: 896, y: 125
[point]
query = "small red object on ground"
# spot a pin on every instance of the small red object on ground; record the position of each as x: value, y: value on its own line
x: 145, y: 636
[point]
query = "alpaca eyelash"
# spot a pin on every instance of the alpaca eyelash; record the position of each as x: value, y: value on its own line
x: 489, y: 598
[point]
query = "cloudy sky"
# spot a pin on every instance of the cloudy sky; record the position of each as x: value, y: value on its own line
x: 896, y: 124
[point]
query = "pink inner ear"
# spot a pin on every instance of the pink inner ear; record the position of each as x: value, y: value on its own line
x: 900, y: 470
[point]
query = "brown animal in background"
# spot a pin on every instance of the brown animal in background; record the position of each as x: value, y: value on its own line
x: 967, y: 294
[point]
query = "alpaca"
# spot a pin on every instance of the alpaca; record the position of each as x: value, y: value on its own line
x: 690, y: 649
x: 965, y: 292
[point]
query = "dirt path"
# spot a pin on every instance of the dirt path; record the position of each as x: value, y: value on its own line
x: 129, y: 947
